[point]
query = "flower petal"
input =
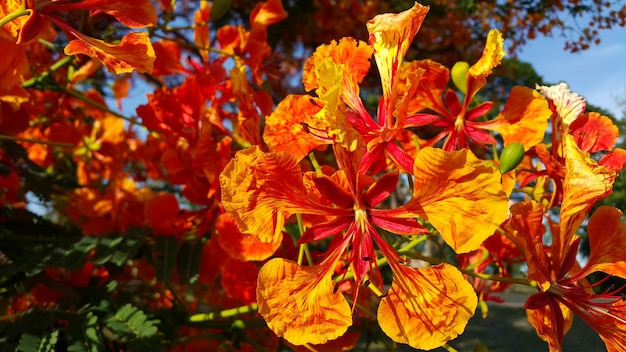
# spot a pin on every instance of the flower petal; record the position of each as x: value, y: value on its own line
x: 607, y: 242
x: 261, y: 190
x: 460, y: 195
x: 550, y: 318
x: 585, y: 183
x: 300, y: 304
x: 524, y: 118
x: 244, y: 247
x: 283, y: 129
x: 391, y: 35
x: 133, y: 53
x: 427, y: 307
x: 566, y: 104
x: 594, y: 132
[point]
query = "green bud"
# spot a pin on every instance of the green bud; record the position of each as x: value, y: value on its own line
x: 459, y: 76
x: 511, y: 156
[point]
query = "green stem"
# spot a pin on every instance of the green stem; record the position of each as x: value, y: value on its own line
x: 37, y: 141
x: 316, y: 165
x: 196, y: 318
x: 55, y: 66
x: 22, y: 11
x: 304, y: 248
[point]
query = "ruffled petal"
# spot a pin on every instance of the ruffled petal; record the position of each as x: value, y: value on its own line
x: 566, y: 105
x: 300, y: 303
x: 284, y: 131
x: 240, y: 246
x: 261, y: 190
x: 425, y: 308
x: 492, y: 56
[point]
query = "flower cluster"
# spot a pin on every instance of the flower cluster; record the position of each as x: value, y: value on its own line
x: 310, y: 213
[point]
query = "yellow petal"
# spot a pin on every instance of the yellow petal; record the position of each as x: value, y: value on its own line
x: 427, y: 307
x: 460, y: 195
x: 300, y: 303
x: 492, y: 55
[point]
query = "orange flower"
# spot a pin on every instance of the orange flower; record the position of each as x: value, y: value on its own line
x: 562, y: 284
x: 261, y: 190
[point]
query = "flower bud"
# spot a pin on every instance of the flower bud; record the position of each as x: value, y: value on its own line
x: 511, y: 156
x: 459, y: 76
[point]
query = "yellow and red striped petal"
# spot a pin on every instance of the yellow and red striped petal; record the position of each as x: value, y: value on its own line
x: 550, y: 318
x: 492, y: 56
x: 425, y: 308
x: 300, y: 303
x: 390, y: 35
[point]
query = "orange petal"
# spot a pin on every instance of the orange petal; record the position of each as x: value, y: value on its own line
x: 283, y: 131
x: 610, y: 324
x: 300, y: 304
x: 585, y: 183
x: 526, y: 221
x: 268, y: 13
x: 432, y: 83
x: 427, y: 307
x: 594, y: 132
x: 391, y: 35
x: 607, y: 242
x: 460, y: 195
x: 350, y: 52
x: 261, y: 190
x: 133, y: 53
x: 615, y: 160
x: 241, y: 246
x: 524, y: 118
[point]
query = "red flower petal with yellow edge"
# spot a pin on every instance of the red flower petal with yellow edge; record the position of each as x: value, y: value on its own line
x: 300, y: 303
x: 425, y: 308
x: 261, y: 190
x: 460, y: 195
x: 524, y: 118
x: 241, y: 246
x: 133, y: 53
x: 594, y: 132
x: 607, y: 243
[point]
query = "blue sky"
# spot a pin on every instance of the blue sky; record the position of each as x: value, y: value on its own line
x: 598, y: 73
